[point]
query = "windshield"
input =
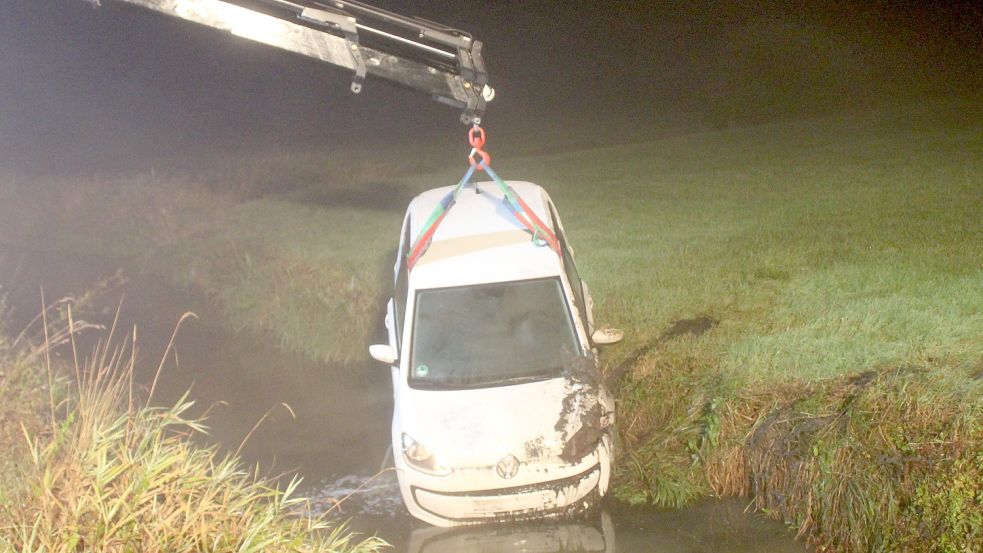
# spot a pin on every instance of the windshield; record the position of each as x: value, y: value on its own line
x: 491, y: 334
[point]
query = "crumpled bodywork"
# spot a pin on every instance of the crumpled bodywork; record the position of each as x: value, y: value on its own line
x: 563, y: 457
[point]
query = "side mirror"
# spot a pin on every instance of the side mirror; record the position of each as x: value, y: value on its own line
x: 383, y: 353
x: 607, y: 336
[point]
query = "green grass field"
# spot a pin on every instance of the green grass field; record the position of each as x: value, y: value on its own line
x: 831, y: 271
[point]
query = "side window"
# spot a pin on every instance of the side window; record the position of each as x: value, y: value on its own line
x: 570, y: 268
x: 401, y: 287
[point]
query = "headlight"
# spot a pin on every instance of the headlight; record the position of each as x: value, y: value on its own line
x: 421, y: 458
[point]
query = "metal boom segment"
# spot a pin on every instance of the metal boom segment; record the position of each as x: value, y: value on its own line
x: 443, y: 62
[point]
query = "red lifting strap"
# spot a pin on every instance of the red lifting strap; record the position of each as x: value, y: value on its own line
x: 480, y: 160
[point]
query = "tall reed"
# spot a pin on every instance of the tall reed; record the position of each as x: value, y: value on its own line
x: 112, y: 472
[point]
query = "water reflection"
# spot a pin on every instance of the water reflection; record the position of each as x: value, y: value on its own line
x: 545, y: 537
x: 372, y: 505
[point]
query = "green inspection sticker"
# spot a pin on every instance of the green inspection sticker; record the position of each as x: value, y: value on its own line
x: 422, y: 371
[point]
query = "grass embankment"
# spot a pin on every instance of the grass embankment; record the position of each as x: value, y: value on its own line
x: 88, y: 466
x: 803, y: 303
x: 302, y: 262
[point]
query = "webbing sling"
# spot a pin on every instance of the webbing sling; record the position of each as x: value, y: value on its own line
x: 519, y: 208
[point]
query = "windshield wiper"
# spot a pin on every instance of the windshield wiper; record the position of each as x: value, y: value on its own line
x: 523, y: 379
x: 482, y: 384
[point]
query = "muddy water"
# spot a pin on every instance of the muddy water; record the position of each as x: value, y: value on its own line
x: 335, y: 432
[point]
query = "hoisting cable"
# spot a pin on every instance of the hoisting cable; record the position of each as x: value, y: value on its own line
x: 480, y: 160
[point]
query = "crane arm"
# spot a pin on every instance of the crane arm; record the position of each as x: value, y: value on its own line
x: 443, y: 62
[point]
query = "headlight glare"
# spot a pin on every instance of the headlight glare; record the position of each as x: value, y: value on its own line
x: 417, y: 455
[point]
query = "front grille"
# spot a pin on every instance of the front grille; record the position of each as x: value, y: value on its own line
x: 534, y: 500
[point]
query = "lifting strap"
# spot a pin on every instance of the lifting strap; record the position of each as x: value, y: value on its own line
x: 480, y: 160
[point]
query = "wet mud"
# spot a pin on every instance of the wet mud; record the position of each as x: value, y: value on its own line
x: 582, y: 412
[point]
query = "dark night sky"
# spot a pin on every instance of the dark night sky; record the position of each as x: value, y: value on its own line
x: 117, y: 87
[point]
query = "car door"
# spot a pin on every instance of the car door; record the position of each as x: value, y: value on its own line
x: 580, y: 291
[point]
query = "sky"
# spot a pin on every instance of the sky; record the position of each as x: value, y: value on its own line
x: 117, y: 87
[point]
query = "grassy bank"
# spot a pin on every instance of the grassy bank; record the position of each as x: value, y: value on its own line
x: 270, y: 257
x: 88, y: 466
x: 803, y: 300
x: 805, y: 309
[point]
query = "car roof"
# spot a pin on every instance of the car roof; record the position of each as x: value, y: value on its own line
x: 480, y: 240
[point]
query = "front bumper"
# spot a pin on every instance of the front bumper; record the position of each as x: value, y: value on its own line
x: 440, y: 502
x: 548, y: 498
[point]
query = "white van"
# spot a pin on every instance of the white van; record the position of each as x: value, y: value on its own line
x: 499, y: 408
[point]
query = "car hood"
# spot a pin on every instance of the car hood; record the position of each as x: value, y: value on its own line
x: 560, y: 417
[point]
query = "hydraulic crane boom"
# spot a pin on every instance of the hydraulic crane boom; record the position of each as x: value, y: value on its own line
x: 443, y: 62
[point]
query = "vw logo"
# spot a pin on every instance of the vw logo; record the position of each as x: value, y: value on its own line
x: 507, y: 467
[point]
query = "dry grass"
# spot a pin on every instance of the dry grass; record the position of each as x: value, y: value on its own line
x: 886, y: 460
x: 104, y: 471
